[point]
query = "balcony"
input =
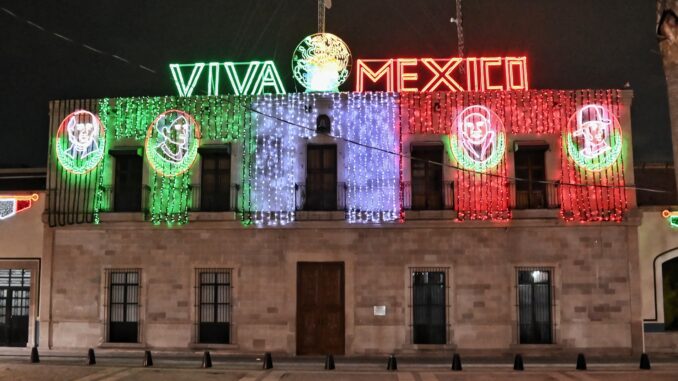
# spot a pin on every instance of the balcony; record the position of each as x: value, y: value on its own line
x: 434, y: 205
x: 542, y: 196
x: 327, y: 206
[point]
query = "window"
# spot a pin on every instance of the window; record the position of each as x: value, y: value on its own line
x: 429, y: 323
x: 215, y: 181
x: 128, y: 178
x: 535, y: 305
x: 123, y: 320
x: 321, y: 177
x: 427, y: 178
x: 214, y: 305
x: 670, y: 290
x: 14, y: 306
x: 529, y: 162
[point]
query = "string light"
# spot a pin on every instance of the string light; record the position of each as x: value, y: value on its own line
x: 13, y: 204
x: 80, y: 142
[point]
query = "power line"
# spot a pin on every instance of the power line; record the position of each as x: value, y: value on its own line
x: 71, y: 41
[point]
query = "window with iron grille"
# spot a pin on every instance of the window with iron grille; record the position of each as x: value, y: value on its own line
x: 215, y: 180
x: 670, y: 288
x: 123, y: 305
x: 535, y: 305
x: 128, y: 182
x: 427, y: 178
x: 321, y: 177
x: 429, y: 305
x: 214, y: 306
x: 14, y: 306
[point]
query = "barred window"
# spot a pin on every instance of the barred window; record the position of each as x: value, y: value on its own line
x: 535, y: 305
x: 429, y: 305
x: 123, y: 308
x: 214, y: 306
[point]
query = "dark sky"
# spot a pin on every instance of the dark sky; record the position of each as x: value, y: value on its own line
x: 569, y: 43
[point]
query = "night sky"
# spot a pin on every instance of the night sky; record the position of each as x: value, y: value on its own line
x: 569, y: 44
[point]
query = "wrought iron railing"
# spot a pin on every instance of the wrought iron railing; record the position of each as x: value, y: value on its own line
x: 541, y: 196
x: 218, y: 203
x: 301, y: 199
x: 431, y: 200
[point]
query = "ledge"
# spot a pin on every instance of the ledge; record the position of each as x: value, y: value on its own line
x: 215, y: 347
x: 122, y: 217
x: 122, y: 345
x: 530, y: 214
x: 430, y: 215
x: 332, y: 215
x: 212, y: 216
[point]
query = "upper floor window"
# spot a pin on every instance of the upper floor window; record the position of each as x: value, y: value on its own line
x: 321, y: 177
x: 128, y: 182
x: 215, y: 180
x: 427, y: 178
x: 530, y: 166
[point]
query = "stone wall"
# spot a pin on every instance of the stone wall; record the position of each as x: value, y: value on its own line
x: 595, y: 279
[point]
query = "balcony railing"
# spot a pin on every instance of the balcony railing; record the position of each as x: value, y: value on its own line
x: 216, y: 205
x: 416, y: 201
x: 542, y: 196
x: 301, y: 197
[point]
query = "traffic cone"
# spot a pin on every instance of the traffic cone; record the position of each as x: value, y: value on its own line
x: 518, y: 362
x: 392, y: 363
x: 329, y: 362
x: 206, y: 360
x: 148, y: 359
x: 581, y: 362
x: 268, y: 361
x: 91, y: 359
x: 35, y: 356
x: 456, y: 362
x: 645, y: 362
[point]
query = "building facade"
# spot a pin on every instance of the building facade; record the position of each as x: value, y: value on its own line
x: 345, y: 223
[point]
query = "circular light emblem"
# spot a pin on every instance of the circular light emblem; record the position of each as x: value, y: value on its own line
x: 172, y: 143
x: 594, y: 138
x: 321, y: 62
x: 80, y: 142
x: 478, y: 141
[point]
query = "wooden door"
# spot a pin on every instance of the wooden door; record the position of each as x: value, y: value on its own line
x: 320, y: 308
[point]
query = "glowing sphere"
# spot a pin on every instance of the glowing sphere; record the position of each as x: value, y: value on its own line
x: 172, y: 143
x: 321, y: 62
x: 80, y: 142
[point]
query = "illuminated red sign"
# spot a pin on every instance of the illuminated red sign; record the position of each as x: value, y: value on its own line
x: 434, y: 74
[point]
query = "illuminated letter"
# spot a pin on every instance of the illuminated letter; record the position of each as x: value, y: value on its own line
x: 269, y: 77
x: 402, y: 76
x: 241, y: 88
x: 485, y: 65
x: 442, y: 74
x: 374, y: 76
x: 213, y: 84
x: 521, y: 64
x: 472, y: 83
x: 186, y: 88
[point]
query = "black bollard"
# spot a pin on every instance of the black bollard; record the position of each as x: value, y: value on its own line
x: 329, y: 362
x: 456, y: 362
x: 268, y: 361
x: 392, y: 363
x: 518, y: 362
x: 91, y: 359
x: 206, y: 360
x: 148, y: 359
x: 35, y: 357
x: 581, y: 362
x: 645, y: 361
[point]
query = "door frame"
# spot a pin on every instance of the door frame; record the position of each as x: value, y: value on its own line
x: 35, y: 265
x: 343, y: 300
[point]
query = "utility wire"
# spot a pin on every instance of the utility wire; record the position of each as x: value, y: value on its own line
x: 71, y: 41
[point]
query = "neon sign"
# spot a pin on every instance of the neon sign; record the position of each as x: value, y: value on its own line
x: 321, y: 62
x: 672, y: 217
x: 431, y: 74
x: 172, y: 143
x: 477, y: 140
x: 594, y: 139
x: 258, y: 77
x: 80, y: 142
x: 11, y: 204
